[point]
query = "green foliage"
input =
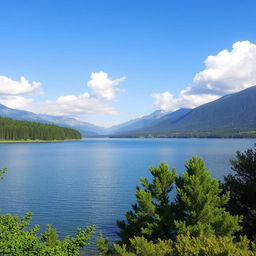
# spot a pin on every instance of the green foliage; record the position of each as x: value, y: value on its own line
x: 25, y: 130
x: 50, y: 236
x: 150, y: 215
x: 242, y: 187
x: 17, y: 239
x: 198, y: 210
x: 200, y: 207
x: 188, y: 246
x: 103, y: 246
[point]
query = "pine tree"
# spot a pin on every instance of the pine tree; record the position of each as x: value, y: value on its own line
x: 150, y: 215
x: 242, y: 187
x: 200, y: 207
x: 198, y: 210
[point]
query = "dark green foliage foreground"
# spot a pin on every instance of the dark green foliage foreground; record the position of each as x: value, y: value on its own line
x: 198, y: 209
x: 195, y: 223
x: 16, y: 239
x: 186, y: 245
x: 25, y: 130
x: 242, y: 186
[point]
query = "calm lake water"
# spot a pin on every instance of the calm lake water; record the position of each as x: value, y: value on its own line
x: 79, y: 183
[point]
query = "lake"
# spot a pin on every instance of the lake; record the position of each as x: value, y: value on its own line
x: 79, y: 183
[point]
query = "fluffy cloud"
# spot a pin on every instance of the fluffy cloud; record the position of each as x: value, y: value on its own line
x: 14, y: 94
x: 102, y: 86
x: 17, y: 102
x: 227, y: 72
x: 167, y: 102
x: 164, y: 101
x: 21, y: 87
x: 72, y: 105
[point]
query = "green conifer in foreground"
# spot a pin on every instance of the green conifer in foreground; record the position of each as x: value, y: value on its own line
x: 198, y: 209
x: 200, y: 206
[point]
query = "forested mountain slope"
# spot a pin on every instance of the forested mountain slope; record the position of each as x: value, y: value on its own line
x: 231, y: 112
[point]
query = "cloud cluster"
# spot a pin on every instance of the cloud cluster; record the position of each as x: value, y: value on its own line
x: 22, y: 87
x: 72, y: 105
x: 226, y: 72
x: 167, y: 102
x: 16, y: 102
x: 14, y: 93
x: 17, y: 94
x: 102, y: 86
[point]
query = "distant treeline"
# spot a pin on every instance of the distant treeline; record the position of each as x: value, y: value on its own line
x: 218, y: 133
x: 24, y: 130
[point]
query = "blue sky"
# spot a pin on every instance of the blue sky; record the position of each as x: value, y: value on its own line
x: 155, y: 49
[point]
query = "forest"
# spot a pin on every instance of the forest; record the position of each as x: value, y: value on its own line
x: 25, y: 130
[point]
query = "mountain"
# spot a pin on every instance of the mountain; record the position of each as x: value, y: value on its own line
x: 231, y: 112
x: 19, y: 114
x: 146, y: 122
x: 85, y: 128
x: 135, y: 124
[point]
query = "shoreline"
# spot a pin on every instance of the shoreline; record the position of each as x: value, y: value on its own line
x: 36, y: 141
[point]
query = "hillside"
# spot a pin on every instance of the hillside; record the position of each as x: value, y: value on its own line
x: 25, y: 130
x: 85, y: 128
x: 135, y: 124
x: 228, y: 115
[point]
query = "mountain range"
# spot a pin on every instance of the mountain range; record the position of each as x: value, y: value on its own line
x: 230, y: 113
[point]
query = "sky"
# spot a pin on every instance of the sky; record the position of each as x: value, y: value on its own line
x: 109, y: 61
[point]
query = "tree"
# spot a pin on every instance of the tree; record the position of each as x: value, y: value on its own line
x: 200, y: 207
x: 150, y: 215
x: 198, y: 210
x: 242, y: 186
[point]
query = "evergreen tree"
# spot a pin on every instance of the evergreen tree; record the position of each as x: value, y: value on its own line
x: 242, y: 187
x: 200, y: 209
x: 25, y: 130
x: 150, y: 215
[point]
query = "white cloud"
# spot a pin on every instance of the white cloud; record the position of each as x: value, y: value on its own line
x: 14, y: 94
x: 102, y: 86
x: 227, y: 72
x: 21, y: 87
x: 17, y: 102
x: 72, y: 105
x: 166, y: 101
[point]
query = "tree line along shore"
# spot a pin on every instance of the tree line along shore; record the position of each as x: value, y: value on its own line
x: 26, y: 131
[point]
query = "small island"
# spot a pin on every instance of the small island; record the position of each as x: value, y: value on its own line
x: 26, y: 131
